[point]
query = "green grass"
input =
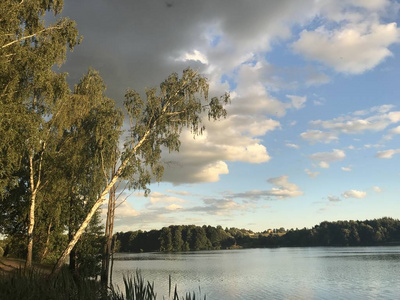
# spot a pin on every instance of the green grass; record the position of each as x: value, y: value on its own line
x: 34, y: 284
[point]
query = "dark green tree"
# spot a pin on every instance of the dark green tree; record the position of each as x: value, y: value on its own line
x: 177, y: 241
x: 166, y: 239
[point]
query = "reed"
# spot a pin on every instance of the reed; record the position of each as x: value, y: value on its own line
x: 137, y: 289
x: 33, y: 284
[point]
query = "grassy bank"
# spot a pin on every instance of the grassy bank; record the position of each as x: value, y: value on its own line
x: 18, y: 284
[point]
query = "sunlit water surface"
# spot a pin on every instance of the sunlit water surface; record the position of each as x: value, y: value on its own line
x: 282, y: 273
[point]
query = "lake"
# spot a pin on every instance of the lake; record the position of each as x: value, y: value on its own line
x: 281, y: 273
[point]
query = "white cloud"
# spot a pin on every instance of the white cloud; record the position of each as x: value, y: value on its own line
x: 156, y: 197
x: 203, y: 159
x: 374, y: 119
x: 311, y: 173
x: 392, y: 132
x: 294, y: 146
x: 195, y: 56
x: 382, y: 109
x: 324, y: 158
x: 387, y: 153
x: 395, y: 130
x: 354, y: 48
x: 354, y: 194
x: 314, y: 136
x: 324, y: 165
x: 251, y: 95
x: 173, y: 207
x: 347, y: 169
x: 352, y: 125
x: 377, y: 189
x: 369, y: 146
x: 283, y: 190
x: 297, y: 102
x: 125, y: 210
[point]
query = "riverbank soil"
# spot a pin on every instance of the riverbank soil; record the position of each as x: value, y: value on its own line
x: 9, y: 265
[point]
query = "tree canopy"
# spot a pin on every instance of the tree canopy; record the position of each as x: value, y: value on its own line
x: 383, y: 231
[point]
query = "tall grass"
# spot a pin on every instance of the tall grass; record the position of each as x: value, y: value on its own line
x: 32, y: 285
x: 137, y: 289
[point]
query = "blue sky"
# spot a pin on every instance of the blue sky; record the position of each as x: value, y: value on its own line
x: 312, y: 132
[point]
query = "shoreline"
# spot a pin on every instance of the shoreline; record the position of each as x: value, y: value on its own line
x: 9, y: 265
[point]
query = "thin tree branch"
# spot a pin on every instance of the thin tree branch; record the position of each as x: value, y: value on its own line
x: 29, y: 36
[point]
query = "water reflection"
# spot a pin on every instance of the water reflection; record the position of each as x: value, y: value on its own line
x: 284, y: 273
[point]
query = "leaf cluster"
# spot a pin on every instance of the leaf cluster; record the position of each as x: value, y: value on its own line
x: 157, y: 122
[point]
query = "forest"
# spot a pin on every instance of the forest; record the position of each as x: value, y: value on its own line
x: 383, y: 231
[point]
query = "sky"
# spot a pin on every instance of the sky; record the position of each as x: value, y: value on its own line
x: 313, y: 128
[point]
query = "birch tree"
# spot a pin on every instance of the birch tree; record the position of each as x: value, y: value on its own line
x: 29, y: 89
x: 155, y: 125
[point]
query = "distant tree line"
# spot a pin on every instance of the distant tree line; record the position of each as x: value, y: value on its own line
x: 384, y: 231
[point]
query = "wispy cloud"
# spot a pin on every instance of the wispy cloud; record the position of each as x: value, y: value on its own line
x: 314, y: 136
x: 284, y: 190
x: 324, y: 158
x: 353, y: 124
x: 294, y: 146
x: 334, y: 199
x: 387, y: 154
x: 354, y: 194
x: 311, y: 173
x: 377, y: 189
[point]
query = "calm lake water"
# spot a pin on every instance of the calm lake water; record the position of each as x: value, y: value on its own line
x: 282, y: 273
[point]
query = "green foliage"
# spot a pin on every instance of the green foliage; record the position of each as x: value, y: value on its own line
x: 158, y: 122
x: 88, y: 250
x: 22, y: 285
x: 384, y: 231
x: 135, y: 289
x: 28, y: 85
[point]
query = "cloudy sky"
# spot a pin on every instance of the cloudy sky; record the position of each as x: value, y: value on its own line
x: 312, y: 132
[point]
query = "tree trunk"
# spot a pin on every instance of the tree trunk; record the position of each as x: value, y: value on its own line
x: 85, y: 223
x: 112, y: 258
x: 105, y: 266
x: 95, y: 207
x: 28, y: 263
x: 46, y: 247
x: 34, y: 189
